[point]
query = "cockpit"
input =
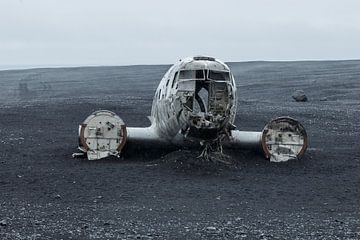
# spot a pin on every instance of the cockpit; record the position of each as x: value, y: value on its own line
x: 204, y: 89
x: 204, y: 74
x: 208, y: 95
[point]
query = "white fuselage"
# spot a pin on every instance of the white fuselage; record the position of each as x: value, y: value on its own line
x: 196, y: 99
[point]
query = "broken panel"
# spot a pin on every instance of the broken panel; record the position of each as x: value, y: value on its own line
x: 102, y: 134
x: 219, y: 98
x: 284, y: 139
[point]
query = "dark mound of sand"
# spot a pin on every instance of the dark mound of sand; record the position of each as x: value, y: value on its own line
x: 190, y: 161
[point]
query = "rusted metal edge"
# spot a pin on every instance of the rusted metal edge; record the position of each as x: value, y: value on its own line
x: 82, y: 137
x: 122, y: 144
x: 291, y: 120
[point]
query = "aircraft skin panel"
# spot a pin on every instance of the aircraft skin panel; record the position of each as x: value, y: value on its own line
x: 146, y: 135
x: 168, y: 117
x: 245, y: 139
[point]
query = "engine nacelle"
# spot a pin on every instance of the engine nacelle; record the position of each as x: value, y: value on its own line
x: 102, y: 134
x: 283, y: 139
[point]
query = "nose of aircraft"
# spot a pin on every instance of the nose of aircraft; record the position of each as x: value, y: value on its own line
x: 208, y: 107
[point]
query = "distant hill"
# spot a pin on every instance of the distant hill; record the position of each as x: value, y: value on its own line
x: 336, y: 80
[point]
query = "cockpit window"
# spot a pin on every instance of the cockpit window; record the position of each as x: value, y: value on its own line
x: 200, y: 74
x: 218, y: 75
x: 191, y: 74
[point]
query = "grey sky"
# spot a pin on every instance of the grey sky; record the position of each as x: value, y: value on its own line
x: 114, y: 32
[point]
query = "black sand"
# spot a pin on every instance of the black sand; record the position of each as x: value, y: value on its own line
x: 46, y: 194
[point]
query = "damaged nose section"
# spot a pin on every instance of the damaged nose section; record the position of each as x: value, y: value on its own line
x: 284, y: 139
x: 208, y: 109
x: 205, y: 126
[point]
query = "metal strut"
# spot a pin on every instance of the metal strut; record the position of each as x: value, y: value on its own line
x: 213, y: 151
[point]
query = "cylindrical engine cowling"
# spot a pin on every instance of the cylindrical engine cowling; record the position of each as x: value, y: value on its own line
x: 102, y: 134
x: 283, y: 139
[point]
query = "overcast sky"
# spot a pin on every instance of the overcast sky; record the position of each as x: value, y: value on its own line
x: 114, y: 32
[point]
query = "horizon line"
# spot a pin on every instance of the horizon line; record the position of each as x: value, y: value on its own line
x: 59, y: 66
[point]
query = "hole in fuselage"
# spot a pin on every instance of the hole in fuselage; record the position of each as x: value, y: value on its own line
x: 201, y: 102
x: 210, y: 97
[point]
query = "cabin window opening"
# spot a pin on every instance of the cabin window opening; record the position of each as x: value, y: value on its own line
x: 218, y: 75
x: 187, y: 74
x: 167, y: 83
x: 191, y: 74
x: 160, y: 94
x: 174, y: 80
x: 199, y: 74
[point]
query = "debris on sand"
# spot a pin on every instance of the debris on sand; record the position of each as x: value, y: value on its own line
x: 185, y: 160
x: 211, y: 228
x: 3, y: 223
x: 57, y: 196
x: 323, y: 99
x: 299, y: 96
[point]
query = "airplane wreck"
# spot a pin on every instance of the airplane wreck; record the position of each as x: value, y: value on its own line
x: 194, y: 105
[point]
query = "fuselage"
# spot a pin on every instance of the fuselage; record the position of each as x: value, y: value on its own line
x: 196, y: 100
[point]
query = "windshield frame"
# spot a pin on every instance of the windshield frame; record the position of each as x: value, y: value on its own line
x: 194, y: 70
x: 219, y: 71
